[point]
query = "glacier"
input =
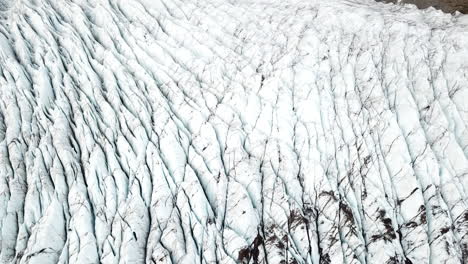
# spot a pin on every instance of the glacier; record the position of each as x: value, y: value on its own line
x: 242, y: 131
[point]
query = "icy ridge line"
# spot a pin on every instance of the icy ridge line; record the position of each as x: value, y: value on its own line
x: 209, y: 131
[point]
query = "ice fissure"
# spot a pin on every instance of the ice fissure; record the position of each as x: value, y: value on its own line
x: 215, y: 131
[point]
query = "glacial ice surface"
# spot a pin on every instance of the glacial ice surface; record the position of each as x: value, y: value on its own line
x: 242, y: 131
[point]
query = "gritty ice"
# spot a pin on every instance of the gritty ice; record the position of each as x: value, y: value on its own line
x: 242, y: 131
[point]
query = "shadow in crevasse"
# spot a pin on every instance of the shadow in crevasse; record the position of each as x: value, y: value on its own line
x: 448, y: 6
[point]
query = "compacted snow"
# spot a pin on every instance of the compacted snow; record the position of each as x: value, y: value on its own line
x: 242, y: 131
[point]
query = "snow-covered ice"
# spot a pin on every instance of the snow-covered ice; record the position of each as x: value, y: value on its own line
x: 242, y: 131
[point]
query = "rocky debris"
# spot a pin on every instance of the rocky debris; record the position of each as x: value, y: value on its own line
x: 448, y: 6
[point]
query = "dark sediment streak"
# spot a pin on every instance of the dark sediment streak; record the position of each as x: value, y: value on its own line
x: 448, y: 6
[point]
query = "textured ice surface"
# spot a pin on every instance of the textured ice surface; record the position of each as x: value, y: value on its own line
x: 197, y: 131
